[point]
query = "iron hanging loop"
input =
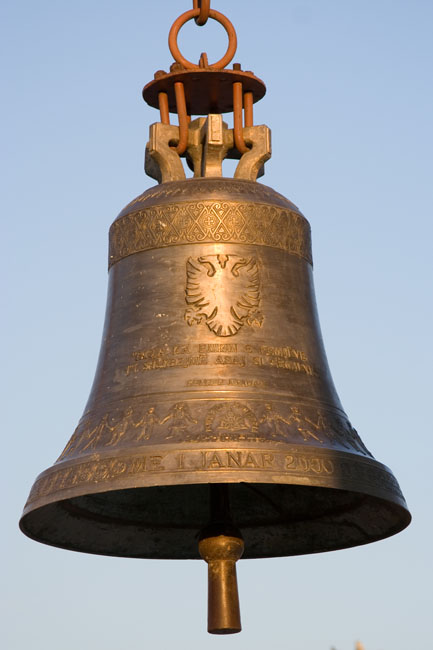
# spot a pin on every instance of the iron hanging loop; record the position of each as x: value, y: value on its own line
x: 204, y: 6
x: 215, y: 15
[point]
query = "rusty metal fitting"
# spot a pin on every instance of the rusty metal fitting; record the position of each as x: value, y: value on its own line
x: 204, y: 6
x: 183, y: 117
x: 237, y: 118
x: 163, y: 108
x: 248, y: 108
x: 215, y: 15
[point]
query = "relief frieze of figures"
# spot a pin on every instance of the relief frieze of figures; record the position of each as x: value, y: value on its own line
x: 221, y: 422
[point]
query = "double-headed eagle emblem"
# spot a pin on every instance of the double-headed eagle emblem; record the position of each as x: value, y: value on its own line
x: 223, y: 290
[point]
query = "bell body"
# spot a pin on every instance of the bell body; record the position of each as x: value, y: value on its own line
x: 212, y: 370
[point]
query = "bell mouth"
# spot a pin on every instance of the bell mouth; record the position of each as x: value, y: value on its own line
x: 164, y: 522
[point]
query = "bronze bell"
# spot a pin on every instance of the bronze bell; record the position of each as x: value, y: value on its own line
x: 213, y: 427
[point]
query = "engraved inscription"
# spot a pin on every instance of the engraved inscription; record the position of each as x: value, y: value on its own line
x: 224, y: 291
x: 285, y: 352
x: 279, y: 463
x: 221, y: 381
x: 204, y: 354
x: 297, y: 463
x: 234, y: 459
x: 209, y: 221
x: 285, y: 357
x: 159, y: 363
x: 204, y: 348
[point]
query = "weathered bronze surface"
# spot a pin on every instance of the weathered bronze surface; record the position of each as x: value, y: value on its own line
x: 213, y: 415
x: 212, y: 370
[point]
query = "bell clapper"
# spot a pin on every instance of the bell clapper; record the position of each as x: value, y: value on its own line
x: 221, y: 545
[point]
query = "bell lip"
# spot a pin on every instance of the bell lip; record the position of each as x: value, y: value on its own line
x: 404, y: 519
x: 386, y: 499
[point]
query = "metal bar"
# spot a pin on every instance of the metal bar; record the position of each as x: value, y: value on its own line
x: 237, y: 118
x: 179, y: 92
x: 163, y: 108
x: 248, y: 109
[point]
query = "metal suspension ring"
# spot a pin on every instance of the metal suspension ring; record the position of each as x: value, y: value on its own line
x: 215, y: 15
x: 204, y: 6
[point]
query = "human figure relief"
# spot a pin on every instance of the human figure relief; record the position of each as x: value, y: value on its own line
x: 120, y: 428
x: 179, y: 417
x: 148, y: 423
x: 92, y: 437
x: 272, y: 423
x: 319, y: 425
x: 304, y: 425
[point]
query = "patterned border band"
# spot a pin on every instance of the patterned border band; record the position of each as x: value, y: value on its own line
x: 202, y: 222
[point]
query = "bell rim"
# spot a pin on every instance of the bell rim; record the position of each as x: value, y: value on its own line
x: 399, y: 510
x: 388, y: 501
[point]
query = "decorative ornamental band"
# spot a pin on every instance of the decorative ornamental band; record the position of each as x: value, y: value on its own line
x: 202, y: 222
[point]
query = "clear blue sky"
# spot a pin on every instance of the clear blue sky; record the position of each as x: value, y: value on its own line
x: 350, y: 105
